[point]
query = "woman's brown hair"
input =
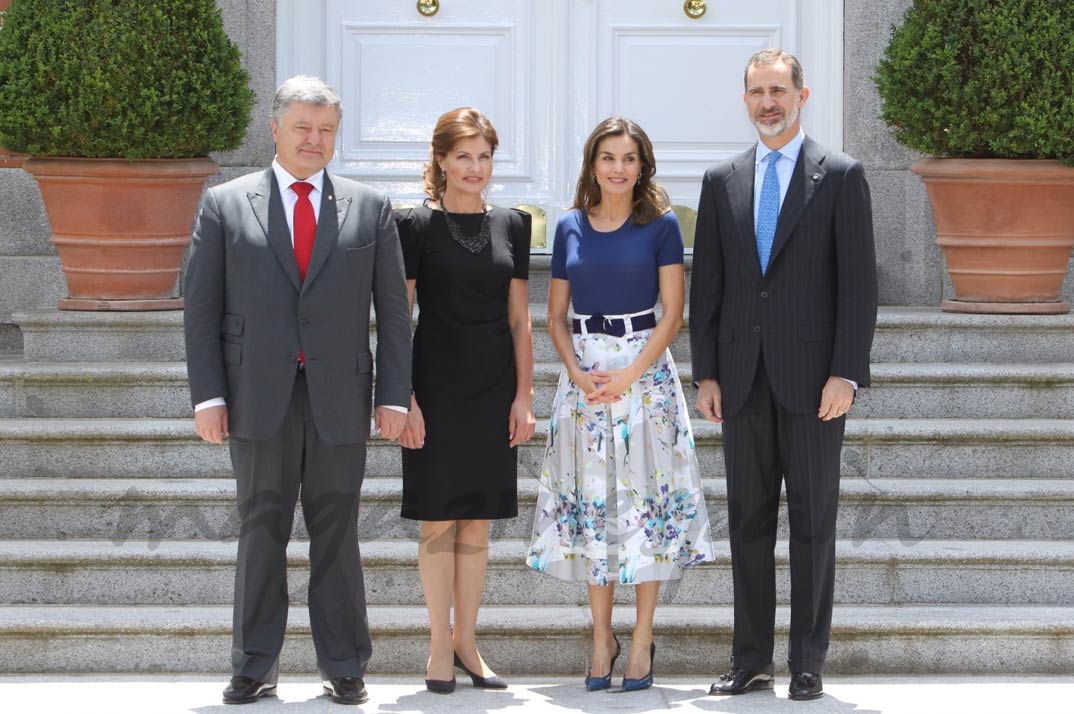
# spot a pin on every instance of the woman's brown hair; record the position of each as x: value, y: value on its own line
x: 451, y: 128
x: 650, y: 199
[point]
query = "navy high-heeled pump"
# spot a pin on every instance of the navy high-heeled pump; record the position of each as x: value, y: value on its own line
x: 634, y: 685
x: 595, y: 684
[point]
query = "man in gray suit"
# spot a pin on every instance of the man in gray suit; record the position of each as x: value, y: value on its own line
x: 782, y: 311
x: 282, y: 269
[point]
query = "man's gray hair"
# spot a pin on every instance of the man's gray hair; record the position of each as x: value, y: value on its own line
x: 305, y: 89
x: 768, y: 57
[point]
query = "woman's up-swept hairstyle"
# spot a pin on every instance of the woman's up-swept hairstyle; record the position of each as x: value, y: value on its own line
x: 451, y: 128
x: 650, y: 199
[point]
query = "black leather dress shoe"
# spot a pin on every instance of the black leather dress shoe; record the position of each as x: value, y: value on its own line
x: 740, y: 680
x: 243, y: 690
x: 805, y: 685
x: 346, y: 690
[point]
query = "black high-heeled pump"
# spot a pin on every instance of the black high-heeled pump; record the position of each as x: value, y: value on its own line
x: 440, y: 686
x: 595, y: 684
x: 493, y: 682
x: 633, y: 685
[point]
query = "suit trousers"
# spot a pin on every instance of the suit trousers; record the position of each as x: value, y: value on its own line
x: 271, y: 475
x: 766, y: 445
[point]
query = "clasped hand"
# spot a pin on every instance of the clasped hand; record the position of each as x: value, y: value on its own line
x: 389, y: 422
x: 413, y: 434
x: 605, y: 386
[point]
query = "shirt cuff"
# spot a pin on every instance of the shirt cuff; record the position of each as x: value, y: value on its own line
x: 217, y: 402
x: 394, y: 408
x: 851, y: 382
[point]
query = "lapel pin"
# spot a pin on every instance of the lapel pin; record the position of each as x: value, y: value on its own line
x: 816, y: 177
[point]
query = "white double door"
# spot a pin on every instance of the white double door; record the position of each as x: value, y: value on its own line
x: 546, y: 72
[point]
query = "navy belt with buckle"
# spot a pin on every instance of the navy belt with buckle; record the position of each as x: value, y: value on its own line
x: 614, y: 326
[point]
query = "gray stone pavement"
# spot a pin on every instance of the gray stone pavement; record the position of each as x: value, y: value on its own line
x: 200, y: 694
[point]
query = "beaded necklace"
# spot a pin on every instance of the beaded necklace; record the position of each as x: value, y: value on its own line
x: 474, y: 244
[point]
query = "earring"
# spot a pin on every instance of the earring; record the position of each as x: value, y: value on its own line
x: 443, y: 175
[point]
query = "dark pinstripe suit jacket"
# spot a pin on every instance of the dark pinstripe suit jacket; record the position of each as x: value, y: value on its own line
x: 814, y: 311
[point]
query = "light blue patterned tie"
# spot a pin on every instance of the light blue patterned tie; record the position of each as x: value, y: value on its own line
x: 768, y: 213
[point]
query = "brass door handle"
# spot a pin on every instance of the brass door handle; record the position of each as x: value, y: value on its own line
x: 694, y: 9
x: 428, y: 8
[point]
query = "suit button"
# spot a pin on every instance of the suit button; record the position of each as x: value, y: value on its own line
x: 304, y: 322
x: 292, y: 359
x: 764, y: 293
x: 756, y: 328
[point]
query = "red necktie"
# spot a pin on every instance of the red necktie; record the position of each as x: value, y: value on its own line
x: 305, y: 226
x: 305, y: 230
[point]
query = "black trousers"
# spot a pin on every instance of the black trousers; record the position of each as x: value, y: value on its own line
x: 271, y: 475
x: 764, y: 446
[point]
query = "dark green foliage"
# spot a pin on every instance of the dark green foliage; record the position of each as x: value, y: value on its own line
x: 982, y: 79
x: 120, y: 78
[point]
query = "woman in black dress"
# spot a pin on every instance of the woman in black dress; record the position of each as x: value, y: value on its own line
x: 467, y: 265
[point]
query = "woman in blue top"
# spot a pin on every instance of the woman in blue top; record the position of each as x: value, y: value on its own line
x: 620, y: 493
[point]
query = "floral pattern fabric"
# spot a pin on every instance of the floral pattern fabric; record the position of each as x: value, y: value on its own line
x: 620, y: 493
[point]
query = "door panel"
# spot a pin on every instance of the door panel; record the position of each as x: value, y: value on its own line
x: 398, y: 71
x: 681, y: 78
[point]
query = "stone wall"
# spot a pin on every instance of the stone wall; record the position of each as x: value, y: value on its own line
x: 911, y: 268
x: 910, y: 265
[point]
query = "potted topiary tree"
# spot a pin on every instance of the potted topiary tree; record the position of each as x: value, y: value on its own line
x: 985, y: 87
x: 119, y: 104
x: 7, y: 159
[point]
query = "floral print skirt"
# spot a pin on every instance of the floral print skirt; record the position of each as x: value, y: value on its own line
x: 620, y: 493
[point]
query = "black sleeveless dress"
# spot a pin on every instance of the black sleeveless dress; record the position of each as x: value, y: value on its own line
x: 464, y: 365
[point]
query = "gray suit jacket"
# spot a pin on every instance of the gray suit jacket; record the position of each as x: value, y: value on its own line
x: 248, y: 314
x: 813, y: 312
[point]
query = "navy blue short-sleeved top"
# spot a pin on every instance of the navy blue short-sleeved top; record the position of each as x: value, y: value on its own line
x: 615, y: 272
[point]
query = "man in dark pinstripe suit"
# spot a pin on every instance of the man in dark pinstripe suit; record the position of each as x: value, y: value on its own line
x: 782, y: 312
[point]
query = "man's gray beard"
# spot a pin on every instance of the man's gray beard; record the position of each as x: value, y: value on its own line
x: 777, y: 128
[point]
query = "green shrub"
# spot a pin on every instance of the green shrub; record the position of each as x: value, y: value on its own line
x: 982, y: 79
x: 120, y: 78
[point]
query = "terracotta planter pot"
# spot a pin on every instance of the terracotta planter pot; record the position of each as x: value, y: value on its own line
x: 121, y: 227
x: 1006, y: 229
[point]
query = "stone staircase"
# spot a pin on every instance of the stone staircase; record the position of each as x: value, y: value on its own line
x: 955, y: 547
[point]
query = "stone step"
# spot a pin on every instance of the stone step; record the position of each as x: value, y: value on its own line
x: 903, y: 334
x: 873, y: 448
x: 924, y: 334
x: 907, y: 390
x: 875, y: 571
x: 50, y: 335
x: 155, y: 510
x: 903, y: 390
x: 155, y: 390
x: 900, y: 390
x: 866, y: 639
x: 918, y: 335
